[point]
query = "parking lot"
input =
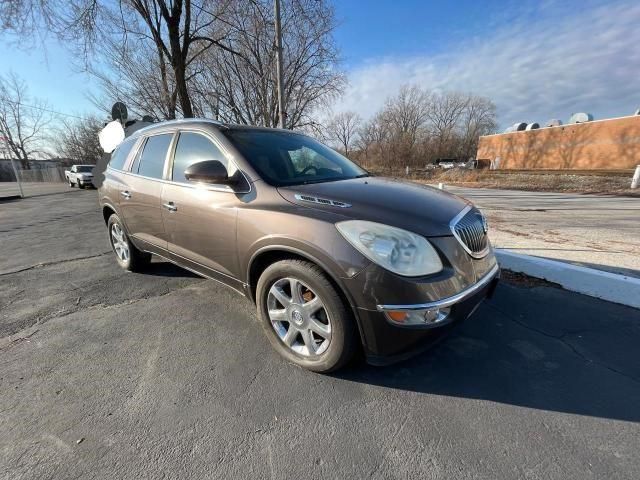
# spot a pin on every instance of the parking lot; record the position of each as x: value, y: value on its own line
x: 109, y: 374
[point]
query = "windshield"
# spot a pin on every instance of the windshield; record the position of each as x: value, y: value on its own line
x: 283, y: 158
x: 84, y: 168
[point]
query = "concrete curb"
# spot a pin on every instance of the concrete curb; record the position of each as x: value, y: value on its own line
x: 588, y: 281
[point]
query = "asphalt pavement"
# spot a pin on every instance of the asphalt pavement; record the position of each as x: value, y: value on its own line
x: 596, y: 231
x: 109, y: 374
x: 31, y: 189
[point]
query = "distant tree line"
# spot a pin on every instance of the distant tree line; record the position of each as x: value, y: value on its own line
x: 414, y: 128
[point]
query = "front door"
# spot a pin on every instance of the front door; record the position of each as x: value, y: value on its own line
x: 141, y: 196
x: 200, y: 220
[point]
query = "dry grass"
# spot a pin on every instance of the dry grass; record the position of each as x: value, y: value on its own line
x: 566, y: 182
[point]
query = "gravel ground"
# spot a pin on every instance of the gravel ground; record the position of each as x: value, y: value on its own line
x: 31, y: 189
x: 109, y: 374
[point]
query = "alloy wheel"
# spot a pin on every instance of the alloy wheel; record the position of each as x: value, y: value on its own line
x: 299, y: 317
x: 119, y: 242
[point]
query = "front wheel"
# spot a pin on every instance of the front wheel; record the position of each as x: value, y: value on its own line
x: 127, y: 255
x: 304, y: 317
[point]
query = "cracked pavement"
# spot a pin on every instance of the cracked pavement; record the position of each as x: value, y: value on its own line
x: 167, y: 375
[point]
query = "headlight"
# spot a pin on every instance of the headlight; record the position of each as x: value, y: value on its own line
x: 397, y: 250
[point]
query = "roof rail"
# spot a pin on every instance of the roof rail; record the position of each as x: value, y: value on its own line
x: 179, y: 121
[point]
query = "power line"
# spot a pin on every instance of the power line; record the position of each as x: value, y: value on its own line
x: 41, y: 109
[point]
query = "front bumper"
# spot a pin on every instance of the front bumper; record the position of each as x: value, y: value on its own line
x: 386, y: 342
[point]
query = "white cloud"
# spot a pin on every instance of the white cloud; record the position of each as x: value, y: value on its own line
x: 585, y: 61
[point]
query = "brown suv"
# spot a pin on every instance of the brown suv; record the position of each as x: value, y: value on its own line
x: 331, y: 256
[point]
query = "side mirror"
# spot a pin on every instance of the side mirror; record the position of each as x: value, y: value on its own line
x: 209, y: 171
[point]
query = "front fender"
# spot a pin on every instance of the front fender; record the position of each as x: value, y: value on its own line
x: 340, y: 271
x: 334, y: 255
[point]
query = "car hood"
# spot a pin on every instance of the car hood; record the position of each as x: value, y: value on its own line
x: 415, y: 207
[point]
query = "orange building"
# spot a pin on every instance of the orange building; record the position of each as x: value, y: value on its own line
x: 600, y: 144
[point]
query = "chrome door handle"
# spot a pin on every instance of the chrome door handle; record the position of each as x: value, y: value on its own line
x: 170, y: 206
x: 125, y: 194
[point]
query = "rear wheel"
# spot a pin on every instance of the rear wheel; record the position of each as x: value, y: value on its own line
x: 70, y: 183
x: 304, y: 317
x: 127, y: 255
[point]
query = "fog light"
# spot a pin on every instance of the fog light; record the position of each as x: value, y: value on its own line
x: 418, y: 317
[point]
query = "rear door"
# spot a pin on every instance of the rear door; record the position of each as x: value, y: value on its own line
x: 113, y: 179
x: 201, y: 219
x: 140, y: 199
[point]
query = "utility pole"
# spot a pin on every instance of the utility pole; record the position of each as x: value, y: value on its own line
x: 281, y: 112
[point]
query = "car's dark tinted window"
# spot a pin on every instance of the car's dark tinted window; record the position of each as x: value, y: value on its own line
x: 153, y: 156
x: 120, y: 154
x: 283, y: 158
x: 84, y: 168
x: 192, y: 148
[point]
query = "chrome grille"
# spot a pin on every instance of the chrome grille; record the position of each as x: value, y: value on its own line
x: 470, y: 228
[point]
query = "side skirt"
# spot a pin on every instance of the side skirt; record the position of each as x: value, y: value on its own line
x: 194, y: 267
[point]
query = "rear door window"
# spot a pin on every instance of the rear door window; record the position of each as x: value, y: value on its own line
x: 154, y: 154
x: 120, y: 154
x: 192, y: 148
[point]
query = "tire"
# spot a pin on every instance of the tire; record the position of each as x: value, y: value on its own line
x: 333, y: 319
x: 70, y: 183
x: 134, y: 260
x: 80, y: 185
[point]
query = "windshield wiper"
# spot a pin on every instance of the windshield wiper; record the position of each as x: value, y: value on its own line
x: 322, y: 180
x: 325, y: 180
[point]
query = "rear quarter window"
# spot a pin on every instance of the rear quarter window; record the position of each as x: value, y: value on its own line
x: 154, y: 154
x: 120, y: 154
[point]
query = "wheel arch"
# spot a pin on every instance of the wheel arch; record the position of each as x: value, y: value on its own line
x: 107, y: 211
x: 266, y: 256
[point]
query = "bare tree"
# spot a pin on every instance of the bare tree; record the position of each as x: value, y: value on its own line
x: 416, y: 127
x: 367, y: 138
x: 78, y: 140
x: 407, y: 112
x: 23, y: 120
x: 174, y: 58
x: 343, y: 128
x: 372, y: 139
x: 444, y: 114
x: 179, y: 30
x: 240, y: 86
x: 139, y: 78
x: 479, y: 119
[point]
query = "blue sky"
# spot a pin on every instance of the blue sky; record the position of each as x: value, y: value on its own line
x: 536, y: 59
x: 406, y: 28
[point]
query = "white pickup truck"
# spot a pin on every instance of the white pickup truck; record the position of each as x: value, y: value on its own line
x: 80, y: 175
